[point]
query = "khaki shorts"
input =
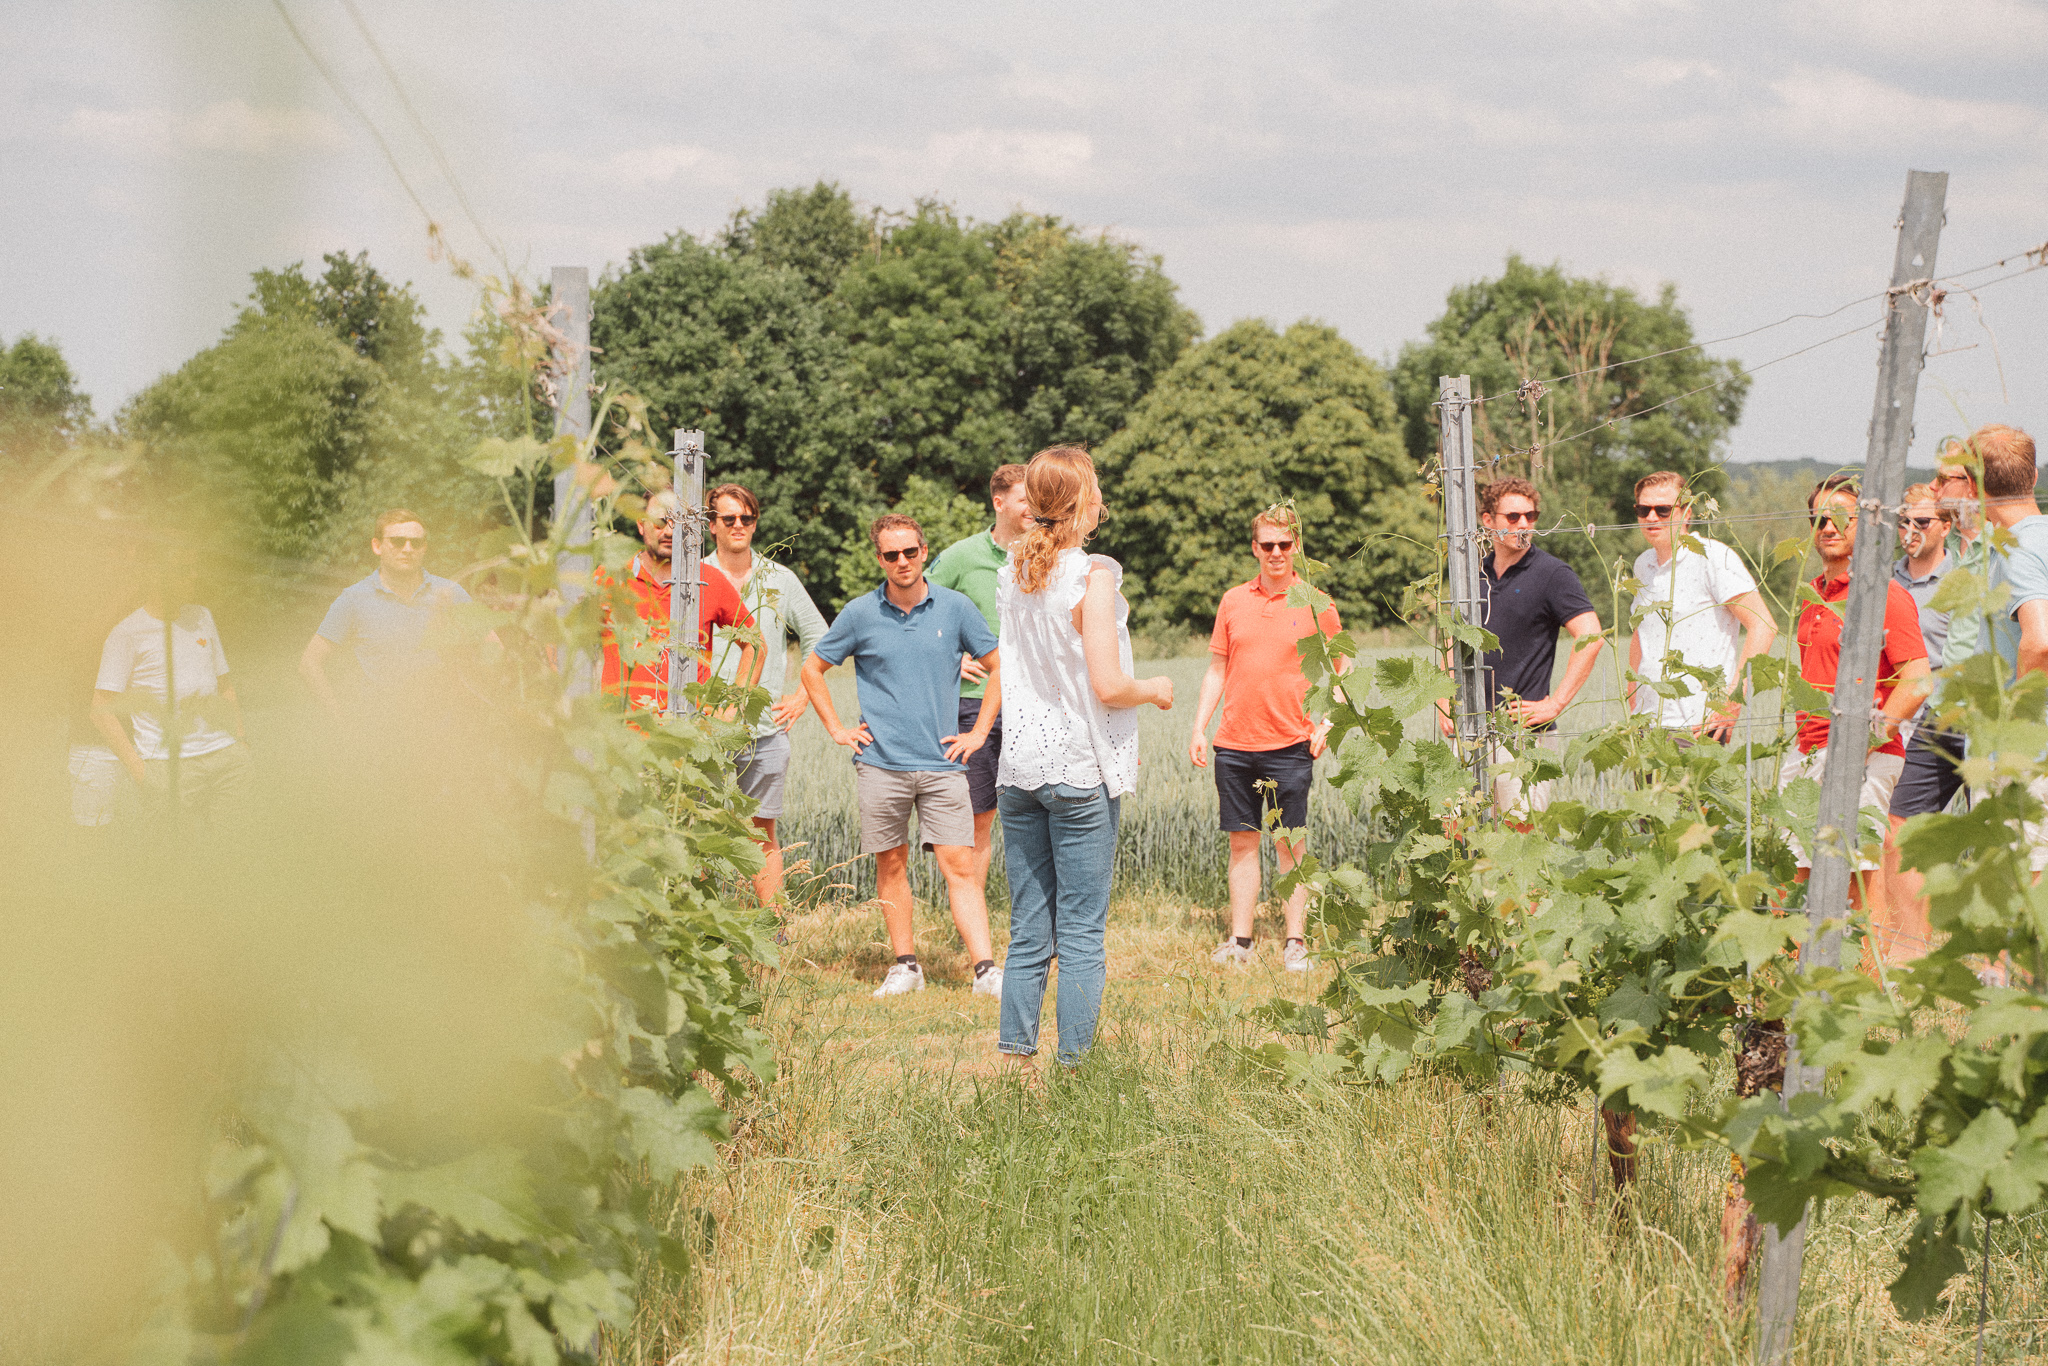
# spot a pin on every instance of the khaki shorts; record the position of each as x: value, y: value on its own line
x: 1880, y: 776
x: 945, y: 813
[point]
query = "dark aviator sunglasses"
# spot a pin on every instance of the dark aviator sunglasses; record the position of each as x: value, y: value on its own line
x: 910, y: 553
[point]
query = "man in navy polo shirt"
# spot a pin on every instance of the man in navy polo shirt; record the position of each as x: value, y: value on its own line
x: 1528, y: 595
x: 906, y: 640
x: 384, y: 619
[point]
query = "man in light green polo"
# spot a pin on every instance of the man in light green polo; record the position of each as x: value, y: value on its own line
x: 970, y: 567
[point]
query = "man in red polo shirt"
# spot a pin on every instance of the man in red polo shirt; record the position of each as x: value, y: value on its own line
x: 1902, y: 674
x: 645, y: 683
x: 1266, y: 747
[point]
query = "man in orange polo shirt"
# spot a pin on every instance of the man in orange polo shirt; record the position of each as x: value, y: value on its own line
x: 1266, y: 747
x: 645, y: 683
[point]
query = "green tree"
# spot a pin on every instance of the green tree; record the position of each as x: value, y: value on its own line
x: 1669, y: 406
x: 943, y: 513
x: 39, y: 396
x: 1244, y: 420
x: 326, y: 399
x: 815, y: 232
x: 740, y: 349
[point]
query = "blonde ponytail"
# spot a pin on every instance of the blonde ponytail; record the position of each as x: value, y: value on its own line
x: 1057, y: 483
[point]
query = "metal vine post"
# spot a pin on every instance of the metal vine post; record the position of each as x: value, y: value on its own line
x: 687, y: 519
x: 1467, y: 585
x: 1834, y: 841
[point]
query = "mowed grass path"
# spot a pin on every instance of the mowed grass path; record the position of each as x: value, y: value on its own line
x: 893, y: 1196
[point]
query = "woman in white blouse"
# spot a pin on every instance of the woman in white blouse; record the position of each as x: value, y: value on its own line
x: 1070, y: 751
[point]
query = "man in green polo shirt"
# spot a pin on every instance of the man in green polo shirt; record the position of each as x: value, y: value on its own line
x: 970, y: 567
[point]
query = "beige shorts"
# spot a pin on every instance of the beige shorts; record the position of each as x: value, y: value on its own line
x: 945, y: 813
x: 1512, y: 797
x: 1880, y: 776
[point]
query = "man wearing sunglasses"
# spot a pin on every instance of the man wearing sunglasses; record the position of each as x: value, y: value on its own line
x: 1529, y: 596
x: 906, y: 640
x: 1266, y: 746
x: 1698, y: 604
x: 775, y: 597
x: 1902, y: 674
x: 384, y: 619
x: 638, y: 671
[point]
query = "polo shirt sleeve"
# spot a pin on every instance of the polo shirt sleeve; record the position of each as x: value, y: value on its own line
x: 117, y: 660
x: 1219, y: 639
x: 1567, y: 595
x: 945, y: 570
x: 843, y: 638
x: 1902, y: 640
x: 457, y: 594
x: 799, y: 611
x: 1728, y: 578
x: 975, y: 637
x: 2026, y: 574
x: 339, y: 623
x: 1327, y: 623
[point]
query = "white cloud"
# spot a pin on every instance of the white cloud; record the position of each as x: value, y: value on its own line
x: 992, y: 154
x: 1919, y: 30
x: 1833, y: 109
x: 225, y: 126
x: 654, y: 165
x: 1663, y: 72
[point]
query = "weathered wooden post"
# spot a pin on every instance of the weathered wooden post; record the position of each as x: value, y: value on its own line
x: 683, y: 572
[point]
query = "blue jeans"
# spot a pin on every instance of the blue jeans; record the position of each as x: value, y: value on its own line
x: 1059, y: 845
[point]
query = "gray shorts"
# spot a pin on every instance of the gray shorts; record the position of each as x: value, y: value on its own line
x: 762, y: 769
x: 945, y: 815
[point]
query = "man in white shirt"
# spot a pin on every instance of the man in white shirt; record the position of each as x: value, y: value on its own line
x: 1698, y: 606
x: 138, y: 674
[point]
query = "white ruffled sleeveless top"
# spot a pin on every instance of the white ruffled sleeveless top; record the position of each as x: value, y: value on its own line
x: 1054, y: 728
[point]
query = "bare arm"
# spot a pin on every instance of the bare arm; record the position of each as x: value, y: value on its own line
x: 2033, y: 618
x: 959, y: 747
x: 1586, y: 643
x: 1759, y: 633
x: 1113, y: 687
x: 821, y: 698
x: 1635, y: 665
x: 1916, y: 681
x: 313, y: 668
x: 226, y: 692
x: 1205, y: 707
x: 108, y: 722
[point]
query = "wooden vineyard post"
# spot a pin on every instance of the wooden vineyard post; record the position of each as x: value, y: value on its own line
x: 683, y: 573
x: 1834, y: 841
x: 1461, y: 525
x: 570, y: 294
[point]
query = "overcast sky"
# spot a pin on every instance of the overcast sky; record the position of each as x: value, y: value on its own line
x: 1350, y: 163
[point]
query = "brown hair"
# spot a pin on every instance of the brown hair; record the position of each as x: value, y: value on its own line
x: 392, y: 517
x: 1057, y: 481
x: 2008, y: 457
x: 1834, y: 483
x: 1658, y: 478
x: 893, y: 521
x: 1004, y: 479
x: 1491, y: 494
x: 735, y: 491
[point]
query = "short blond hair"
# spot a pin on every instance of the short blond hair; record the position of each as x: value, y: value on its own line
x: 1280, y: 517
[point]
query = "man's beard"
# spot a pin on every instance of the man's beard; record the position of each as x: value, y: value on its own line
x: 1968, y: 512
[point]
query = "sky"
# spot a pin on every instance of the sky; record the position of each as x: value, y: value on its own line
x: 1350, y: 163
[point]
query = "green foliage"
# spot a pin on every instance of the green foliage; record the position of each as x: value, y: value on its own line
x: 944, y: 515
x: 1245, y: 420
x: 325, y: 401
x: 815, y: 232
x: 39, y: 396
x: 1538, y: 323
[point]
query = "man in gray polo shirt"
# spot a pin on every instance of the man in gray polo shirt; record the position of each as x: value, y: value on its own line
x: 384, y: 619
x: 906, y: 640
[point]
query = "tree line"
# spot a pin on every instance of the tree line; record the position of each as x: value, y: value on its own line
x: 844, y: 360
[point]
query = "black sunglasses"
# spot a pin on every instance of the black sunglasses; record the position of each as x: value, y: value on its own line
x: 1273, y: 547
x: 738, y: 519
x: 1512, y: 517
x: 407, y: 542
x: 891, y: 556
x: 1921, y: 522
x: 1646, y: 511
x: 1837, y: 519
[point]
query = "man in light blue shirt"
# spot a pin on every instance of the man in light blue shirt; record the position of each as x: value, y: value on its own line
x: 906, y: 640
x: 384, y: 619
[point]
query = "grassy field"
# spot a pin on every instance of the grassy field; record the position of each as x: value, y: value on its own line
x: 894, y: 1197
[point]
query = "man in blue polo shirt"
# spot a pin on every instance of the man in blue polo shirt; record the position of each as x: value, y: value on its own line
x: 383, y: 619
x: 906, y: 640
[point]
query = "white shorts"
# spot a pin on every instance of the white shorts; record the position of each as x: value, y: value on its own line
x: 94, y: 774
x: 1512, y: 798
x: 1880, y: 776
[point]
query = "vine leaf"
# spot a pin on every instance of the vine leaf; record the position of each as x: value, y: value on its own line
x: 1932, y: 1261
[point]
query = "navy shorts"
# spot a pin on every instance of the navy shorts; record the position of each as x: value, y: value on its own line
x: 981, y: 765
x: 1931, y: 778
x: 1244, y: 802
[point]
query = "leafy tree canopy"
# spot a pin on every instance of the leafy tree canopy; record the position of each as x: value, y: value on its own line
x: 39, y: 396
x: 1249, y: 418
x: 815, y: 232
x: 1538, y: 323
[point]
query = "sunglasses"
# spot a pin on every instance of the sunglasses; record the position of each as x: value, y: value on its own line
x: 738, y: 519
x: 891, y: 556
x: 1645, y: 511
x: 1837, y: 520
x: 407, y: 542
x: 1273, y: 547
x: 1513, y: 517
x: 1921, y: 522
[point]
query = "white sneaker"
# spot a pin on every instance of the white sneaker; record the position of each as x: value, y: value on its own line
x: 902, y: 978
x: 1295, y: 956
x: 1230, y: 951
x: 990, y: 983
